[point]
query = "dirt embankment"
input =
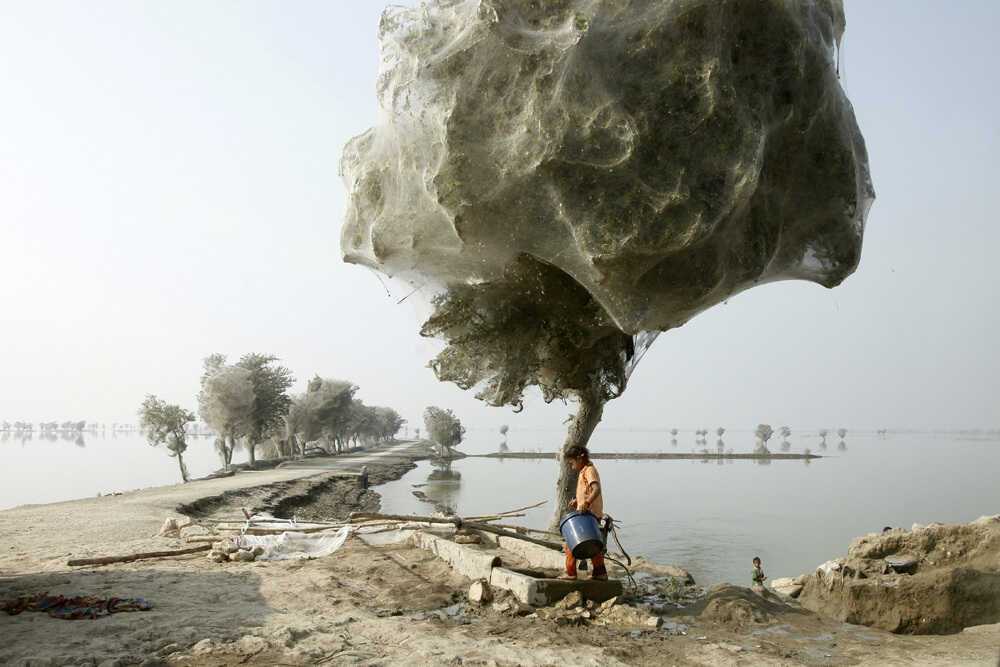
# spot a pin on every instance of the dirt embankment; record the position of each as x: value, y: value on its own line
x: 932, y: 579
x: 331, y: 496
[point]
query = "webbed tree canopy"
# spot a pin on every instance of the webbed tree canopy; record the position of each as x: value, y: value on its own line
x: 532, y: 326
x: 662, y: 154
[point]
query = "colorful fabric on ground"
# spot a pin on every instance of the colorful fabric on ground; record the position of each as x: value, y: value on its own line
x: 73, y: 608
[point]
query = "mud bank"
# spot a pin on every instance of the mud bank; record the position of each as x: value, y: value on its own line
x: 321, y: 497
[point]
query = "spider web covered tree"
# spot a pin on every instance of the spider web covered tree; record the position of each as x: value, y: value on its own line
x: 570, y: 179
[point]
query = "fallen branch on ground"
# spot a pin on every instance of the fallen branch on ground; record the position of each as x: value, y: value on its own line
x: 105, y: 560
x: 460, y: 522
x: 492, y: 517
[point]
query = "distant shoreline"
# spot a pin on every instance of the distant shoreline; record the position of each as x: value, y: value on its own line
x: 649, y: 455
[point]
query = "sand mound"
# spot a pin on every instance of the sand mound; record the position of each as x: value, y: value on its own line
x: 930, y: 580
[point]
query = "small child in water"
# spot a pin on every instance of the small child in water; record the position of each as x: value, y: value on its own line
x: 757, y: 575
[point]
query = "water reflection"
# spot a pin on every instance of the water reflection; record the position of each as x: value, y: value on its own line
x: 842, y: 446
x: 442, y: 488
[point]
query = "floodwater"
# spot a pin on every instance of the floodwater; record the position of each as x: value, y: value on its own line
x: 709, y: 517
x: 713, y: 517
x: 64, y: 466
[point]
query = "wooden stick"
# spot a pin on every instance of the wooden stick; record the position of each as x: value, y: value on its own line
x: 458, y: 521
x: 520, y: 509
x: 519, y: 529
x: 205, y: 538
x: 105, y: 560
x: 277, y: 531
x: 485, y: 527
x: 492, y: 517
x: 405, y: 517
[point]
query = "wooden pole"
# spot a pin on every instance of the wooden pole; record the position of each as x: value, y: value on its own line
x: 487, y: 528
x: 105, y: 560
x: 458, y: 521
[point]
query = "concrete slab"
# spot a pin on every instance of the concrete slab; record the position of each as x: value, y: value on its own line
x: 537, y: 555
x: 467, y: 561
x: 541, y: 592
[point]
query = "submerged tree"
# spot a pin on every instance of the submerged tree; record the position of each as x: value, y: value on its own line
x: 164, y: 424
x: 763, y: 433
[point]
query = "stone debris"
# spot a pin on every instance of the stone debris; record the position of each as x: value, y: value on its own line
x: 172, y: 527
x: 787, y: 586
x: 573, y: 599
x: 631, y: 616
x: 468, y: 539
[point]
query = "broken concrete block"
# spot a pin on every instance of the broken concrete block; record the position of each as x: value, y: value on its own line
x: 479, y: 592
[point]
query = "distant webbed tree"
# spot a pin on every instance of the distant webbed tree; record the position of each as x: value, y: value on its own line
x: 841, y: 432
x: 719, y: 431
x: 79, y: 426
x: 503, y: 430
x: 763, y: 433
x: 271, y: 400
x: 321, y: 412
x: 444, y: 428
x: 164, y: 424
x: 534, y: 326
x: 354, y: 423
x: 388, y: 422
x: 5, y: 426
x: 225, y: 403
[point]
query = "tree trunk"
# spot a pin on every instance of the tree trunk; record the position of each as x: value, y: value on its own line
x: 588, y: 416
x: 251, y: 452
x: 230, y: 448
x: 180, y: 464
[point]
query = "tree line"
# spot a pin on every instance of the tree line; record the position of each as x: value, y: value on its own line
x: 247, y: 405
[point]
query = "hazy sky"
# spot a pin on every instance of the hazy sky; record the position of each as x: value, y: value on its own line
x: 169, y: 189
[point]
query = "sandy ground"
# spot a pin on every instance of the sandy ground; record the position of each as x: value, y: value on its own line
x: 365, y: 604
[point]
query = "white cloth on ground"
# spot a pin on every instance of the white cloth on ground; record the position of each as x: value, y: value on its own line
x: 295, y: 545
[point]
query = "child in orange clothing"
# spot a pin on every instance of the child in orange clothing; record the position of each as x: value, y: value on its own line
x: 588, y: 499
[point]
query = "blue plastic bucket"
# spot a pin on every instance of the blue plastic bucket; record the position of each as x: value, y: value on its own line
x: 582, y: 533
